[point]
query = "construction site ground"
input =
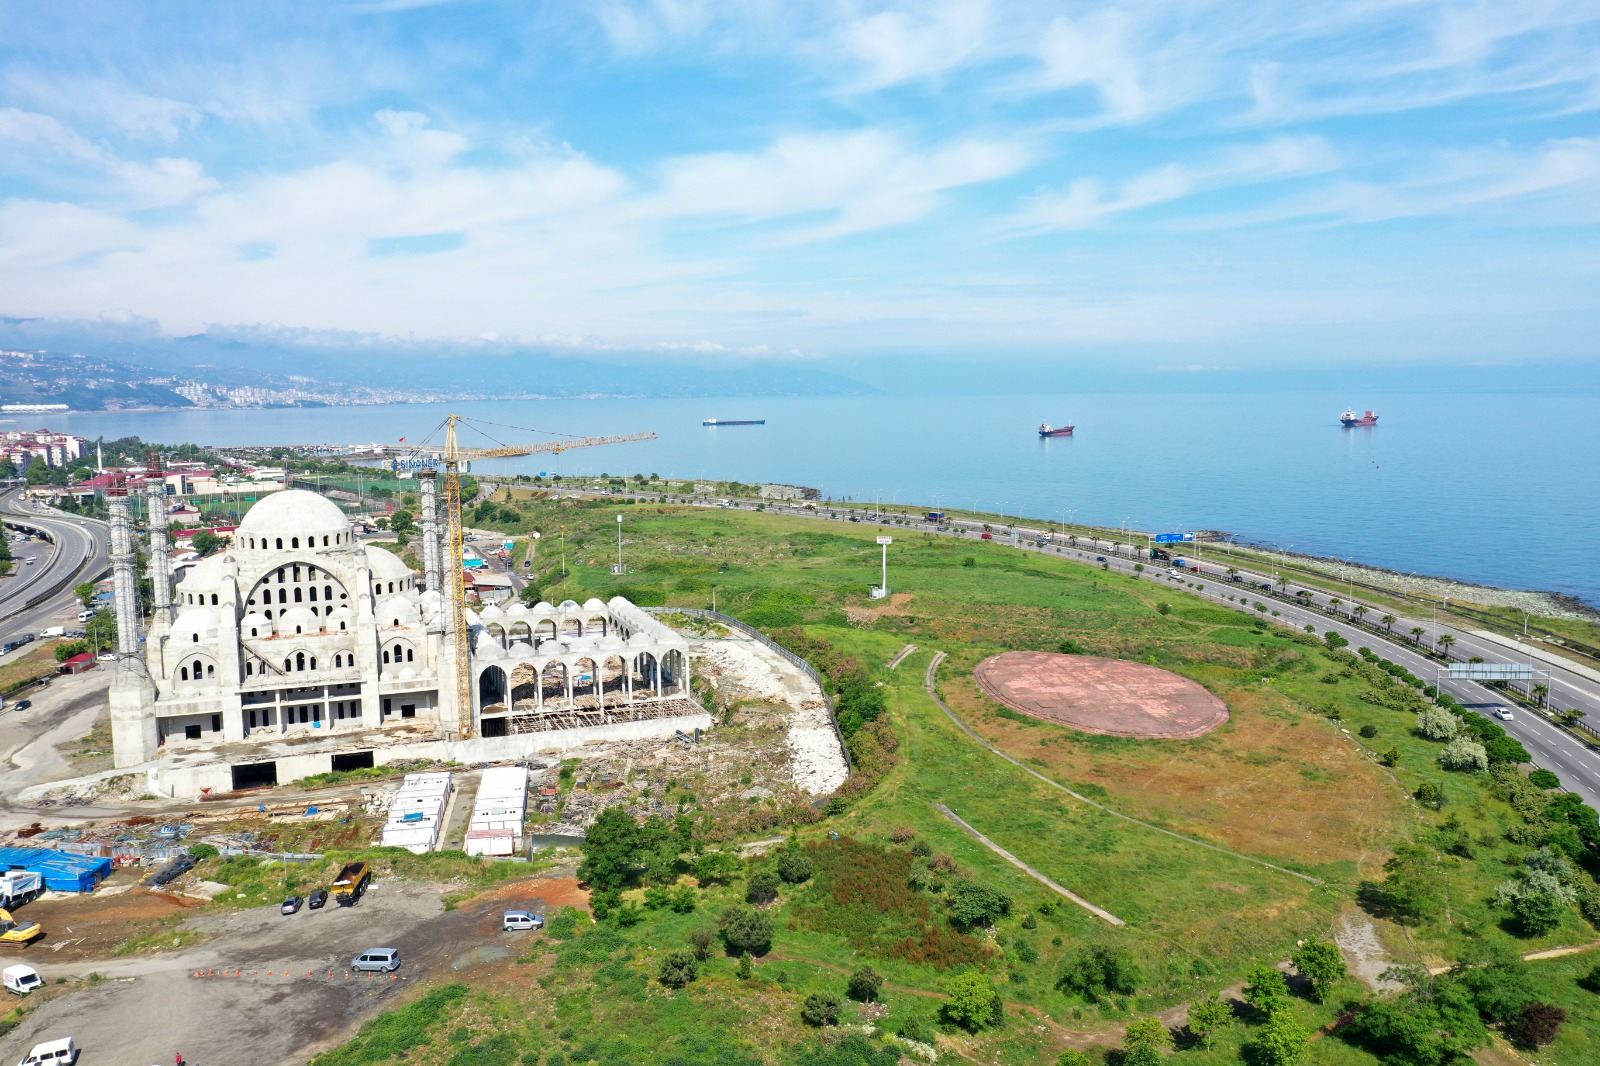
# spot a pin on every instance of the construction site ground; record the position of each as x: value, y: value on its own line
x: 251, y: 986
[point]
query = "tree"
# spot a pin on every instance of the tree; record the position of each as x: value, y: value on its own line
x: 1280, y: 1042
x: 608, y: 849
x: 972, y: 1002
x: 1320, y: 962
x: 1538, y: 1025
x: 1267, y: 990
x: 701, y: 940
x: 529, y: 594
x: 684, y: 899
x: 1073, y: 1057
x: 746, y: 968
x: 744, y: 929
x: 1391, y: 757
x: 1358, y: 610
x: 1538, y: 900
x: 1540, y: 693
x: 865, y: 984
x: 205, y: 542
x: 85, y: 593
x: 762, y: 887
x: 820, y: 1010
x: 402, y: 521
x: 794, y: 866
x: 1097, y: 972
x: 1444, y: 642
x: 678, y: 968
x: 1388, y: 623
x: 1148, y: 1032
x: 716, y: 867
x: 1416, y: 634
x: 1206, y: 1016
x: 1438, y: 724
x: 973, y: 905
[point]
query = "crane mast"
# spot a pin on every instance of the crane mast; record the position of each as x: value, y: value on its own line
x: 455, y: 457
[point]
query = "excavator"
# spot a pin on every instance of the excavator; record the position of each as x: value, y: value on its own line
x: 456, y: 459
x: 15, y: 932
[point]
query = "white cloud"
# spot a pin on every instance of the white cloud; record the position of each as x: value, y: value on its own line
x: 27, y: 129
x: 899, y: 45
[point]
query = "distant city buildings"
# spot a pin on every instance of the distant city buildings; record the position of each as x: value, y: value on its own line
x: 53, y: 449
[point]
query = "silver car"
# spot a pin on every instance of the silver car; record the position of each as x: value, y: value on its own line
x: 377, y: 960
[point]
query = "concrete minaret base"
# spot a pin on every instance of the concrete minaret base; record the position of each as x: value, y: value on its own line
x: 132, y: 700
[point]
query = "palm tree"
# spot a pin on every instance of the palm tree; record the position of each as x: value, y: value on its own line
x: 1388, y: 623
x: 1444, y: 642
x: 1358, y: 610
x: 1541, y: 693
x: 1233, y: 572
x: 1416, y: 634
x: 1304, y: 596
x: 1283, y: 580
x: 1333, y: 605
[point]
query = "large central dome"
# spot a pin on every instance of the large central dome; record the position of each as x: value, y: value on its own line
x: 296, y: 518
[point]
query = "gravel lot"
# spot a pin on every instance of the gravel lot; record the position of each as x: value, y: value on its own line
x: 265, y: 989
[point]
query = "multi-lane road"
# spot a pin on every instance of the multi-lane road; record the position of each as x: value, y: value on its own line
x: 38, y: 595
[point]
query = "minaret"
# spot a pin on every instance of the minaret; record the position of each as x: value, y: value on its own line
x: 160, y: 559
x: 431, y: 553
x: 133, y: 696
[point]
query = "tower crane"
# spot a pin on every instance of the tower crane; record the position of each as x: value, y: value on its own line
x: 454, y: 457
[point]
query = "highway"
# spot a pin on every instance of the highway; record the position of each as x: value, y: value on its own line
x: 1572, y: 757
x: 39, y: 595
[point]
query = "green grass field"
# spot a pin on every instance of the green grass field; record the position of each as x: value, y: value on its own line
x: 1288, y: 780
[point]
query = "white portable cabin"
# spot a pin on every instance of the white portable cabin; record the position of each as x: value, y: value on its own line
x: 418, y: 841
x: 491, y: 842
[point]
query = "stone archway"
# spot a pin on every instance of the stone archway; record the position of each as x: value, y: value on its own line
x: 492, y: 689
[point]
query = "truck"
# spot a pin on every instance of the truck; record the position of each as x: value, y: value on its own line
x: 351, y: 883
x: 15, y: 932
x: 18, y: 886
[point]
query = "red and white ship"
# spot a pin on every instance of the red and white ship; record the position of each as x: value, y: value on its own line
x: 1350, y: 418
x: 1047, y: 430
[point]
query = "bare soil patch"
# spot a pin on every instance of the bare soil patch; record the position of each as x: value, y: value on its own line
x: 1096, y: 695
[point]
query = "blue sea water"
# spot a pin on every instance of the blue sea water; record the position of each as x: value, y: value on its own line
x: 1491, y: 487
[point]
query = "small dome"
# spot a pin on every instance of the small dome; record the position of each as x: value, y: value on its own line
x: 298, y: 617
x: 256, y: 625
x: 195, y: 621
x: 385, y: 565
x: 593, y: 603
x: 491, y: 613
x: 569, y: 605
x: 205, y: 575
x: 291, y: 514
x: 397, y: 611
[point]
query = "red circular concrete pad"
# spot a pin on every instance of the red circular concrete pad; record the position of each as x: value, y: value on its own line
x: 1096, y: 695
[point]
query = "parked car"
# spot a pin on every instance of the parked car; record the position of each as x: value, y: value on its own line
x: 292, y: 905
x: 22, y: 705
x: 519, y: 920
x: 61, y: 1052
x: 377, y: 960
x: 318, y: 899
x: 1503, y: 713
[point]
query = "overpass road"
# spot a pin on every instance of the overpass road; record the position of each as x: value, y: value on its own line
x: 39, y: 595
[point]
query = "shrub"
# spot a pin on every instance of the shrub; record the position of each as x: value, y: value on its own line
x: 1369, y: 731
x: 1428, y: 795
x: 1280, y: 1042
x: 746, y: 968
x: 1267, y: 990
x: 820, y: 1010
x: 794, y: 867
x: 1538, y: 1025
x: 1206, y: 1016
x: 914, y: 1028
x: 563, y: 924
x: 1147, y: 1032
x: 972, y: 905
x: 1391, y: 757
x: 656, y: 897
x: 684, y: 899
x: 1465, y: 755
x: 715, y: 867
x: 1073, y: 1057
x: 865, y: 984
x: 902, y: 834
x: 1097, y: 972
x: 678, y: 968
x: 762, y: 887
x: 1544, y: 779
x: 200, y: 852
x: 744, y: 930
x: 1320, y: 962
x: 701, y: 940
x: 972, y: 1002
x: 1436, y: 723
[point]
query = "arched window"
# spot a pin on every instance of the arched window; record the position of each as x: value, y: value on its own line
x: 294, y: 542
x: 313, y: 665
x: 213, y: 599
x: 280, y: 544
x: 385, y: 654
x: 211, y: 671
x: 297, y: 595
x: 249, y: 668
x: 298, y: 630
x: 411, y: 655
x: 183, y: 673
x: 313, y: 594
x: 341, y: 625
x: 283, y: 575
x: 269, y: 614
x: 324, y: 541
x: 287, y: 666
x: 299, y: 657
x: 196, y: 638
x: 283, y: 595
x: 327, y: 592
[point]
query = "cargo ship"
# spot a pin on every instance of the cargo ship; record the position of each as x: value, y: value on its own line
x: 1350, y: 418
x: 734, y: 422
x: 1047, y: 430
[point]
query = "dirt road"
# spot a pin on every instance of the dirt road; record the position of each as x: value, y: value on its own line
x: 265, y: 989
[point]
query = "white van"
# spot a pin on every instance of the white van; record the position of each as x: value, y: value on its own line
x: 52, y: 1053
x: 518, y: 920
x: 54, y: 631
x: 84, y: 616
x: 21, y: 979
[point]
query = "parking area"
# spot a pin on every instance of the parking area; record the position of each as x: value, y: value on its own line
x: 262, y: 988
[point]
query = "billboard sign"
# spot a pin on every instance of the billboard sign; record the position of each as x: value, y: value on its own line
x: 885, y: 540
x: 1491, y: 672
x: 1174, y: 538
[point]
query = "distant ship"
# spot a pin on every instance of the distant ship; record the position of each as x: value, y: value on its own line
x: 1046, y: 430
x: 734, y: 422
x: 1350, y: 418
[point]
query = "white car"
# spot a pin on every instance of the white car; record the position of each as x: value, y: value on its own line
x: 1503, y: 713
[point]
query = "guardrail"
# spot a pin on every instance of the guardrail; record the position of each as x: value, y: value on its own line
x: 796, y: 661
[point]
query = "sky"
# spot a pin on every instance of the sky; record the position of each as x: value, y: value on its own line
x: 1185, y: 186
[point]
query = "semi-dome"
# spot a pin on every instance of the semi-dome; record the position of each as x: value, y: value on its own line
x: 297, y: 517
x: 385, y: 564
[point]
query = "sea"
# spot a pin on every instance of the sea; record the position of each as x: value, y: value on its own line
x: 1494, y: 488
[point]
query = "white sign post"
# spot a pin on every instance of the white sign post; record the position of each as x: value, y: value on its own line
x: 883, y: 589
